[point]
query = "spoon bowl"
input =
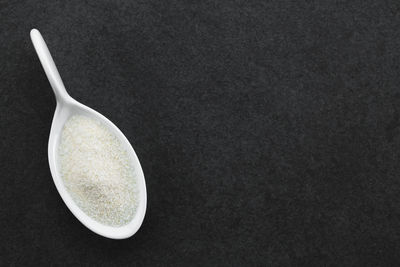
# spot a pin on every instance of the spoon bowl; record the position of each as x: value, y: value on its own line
x: 66, y: 108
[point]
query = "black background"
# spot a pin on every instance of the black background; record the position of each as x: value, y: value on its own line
x: 268, y: 131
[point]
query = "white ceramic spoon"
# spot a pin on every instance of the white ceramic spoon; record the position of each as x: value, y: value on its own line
x: 67, y: 107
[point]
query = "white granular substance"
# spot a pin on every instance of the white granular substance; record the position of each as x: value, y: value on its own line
x: 97, y: 172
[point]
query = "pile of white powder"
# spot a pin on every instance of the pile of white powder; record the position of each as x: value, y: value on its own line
x: 97, y: 172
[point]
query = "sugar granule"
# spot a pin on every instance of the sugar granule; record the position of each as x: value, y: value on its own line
x: 97, y: 172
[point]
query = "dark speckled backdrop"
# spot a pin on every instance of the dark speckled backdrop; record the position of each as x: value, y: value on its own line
x: 268, y: 131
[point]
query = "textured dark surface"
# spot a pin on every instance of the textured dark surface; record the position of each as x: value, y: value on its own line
x: 268, y: 131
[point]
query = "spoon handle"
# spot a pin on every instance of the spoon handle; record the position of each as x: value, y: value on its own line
x: 49, y: 67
